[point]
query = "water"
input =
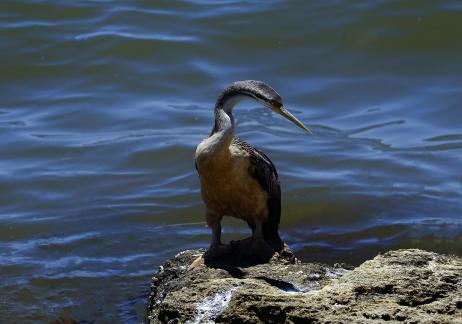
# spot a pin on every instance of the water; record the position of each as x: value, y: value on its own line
x: 103, y: 103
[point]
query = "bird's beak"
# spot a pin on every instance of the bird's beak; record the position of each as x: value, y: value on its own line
x: 282, y: 111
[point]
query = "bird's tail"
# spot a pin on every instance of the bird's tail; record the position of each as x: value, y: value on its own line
x: 271, y: 227
x: 272, y: 237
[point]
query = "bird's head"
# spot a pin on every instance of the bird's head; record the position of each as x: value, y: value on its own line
x: 267, y: 96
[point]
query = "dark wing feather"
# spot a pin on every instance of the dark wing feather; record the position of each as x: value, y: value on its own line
x: 264, y: 171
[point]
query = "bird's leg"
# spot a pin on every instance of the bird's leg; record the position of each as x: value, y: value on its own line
x: 216, y: 234
x: 216, y: 247
x: 258, y: 234
x: 259, y: 246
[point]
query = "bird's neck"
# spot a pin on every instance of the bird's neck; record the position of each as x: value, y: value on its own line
x: 223, y: 131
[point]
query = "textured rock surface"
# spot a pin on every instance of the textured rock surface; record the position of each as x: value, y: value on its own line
x: 403, y: 285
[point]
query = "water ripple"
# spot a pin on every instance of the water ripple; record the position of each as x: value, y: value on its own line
x: 151, y: 36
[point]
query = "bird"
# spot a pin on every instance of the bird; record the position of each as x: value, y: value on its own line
x: 237, y: 179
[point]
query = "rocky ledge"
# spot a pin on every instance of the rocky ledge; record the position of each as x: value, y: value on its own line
x: 404, y: 285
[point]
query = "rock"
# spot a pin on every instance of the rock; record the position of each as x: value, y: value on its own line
x: 403, y: 285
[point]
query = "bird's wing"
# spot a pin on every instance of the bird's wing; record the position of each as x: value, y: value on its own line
x: 264, y: 171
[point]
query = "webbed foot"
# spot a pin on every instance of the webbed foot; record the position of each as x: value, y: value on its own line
x: 217, y: 250
x: 261, y: 249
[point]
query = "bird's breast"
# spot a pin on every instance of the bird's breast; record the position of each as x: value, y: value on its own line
x: 227, y: 186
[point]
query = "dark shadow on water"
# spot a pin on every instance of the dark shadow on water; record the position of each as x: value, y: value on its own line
x: 69, y: 320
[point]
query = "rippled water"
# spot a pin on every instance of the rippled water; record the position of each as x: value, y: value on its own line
x: 103, y: 103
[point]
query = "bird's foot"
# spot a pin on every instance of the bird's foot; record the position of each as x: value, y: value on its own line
x: 217, y: 250
x: 247, y: 242
x: 261, y: 249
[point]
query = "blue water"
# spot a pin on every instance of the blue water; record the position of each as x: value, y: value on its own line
x: 103, y: 103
